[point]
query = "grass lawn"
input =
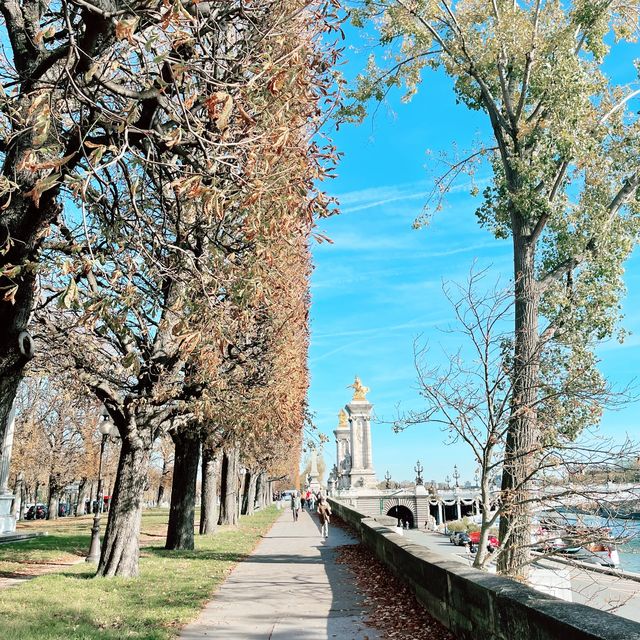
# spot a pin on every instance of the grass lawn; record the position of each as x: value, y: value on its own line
x: 71, y: 605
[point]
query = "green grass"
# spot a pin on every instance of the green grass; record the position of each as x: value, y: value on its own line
x: 172, y: 587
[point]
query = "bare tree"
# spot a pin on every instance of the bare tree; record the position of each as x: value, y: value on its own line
x: 471, y: 397
x: 163, y: 460
x: 55, y: 428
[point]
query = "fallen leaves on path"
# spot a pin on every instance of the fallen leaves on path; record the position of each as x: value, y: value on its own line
x: 392, y: 607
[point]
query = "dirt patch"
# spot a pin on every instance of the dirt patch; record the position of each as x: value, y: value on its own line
x: 30, y: 570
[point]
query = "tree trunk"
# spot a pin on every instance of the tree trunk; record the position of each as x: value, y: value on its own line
x: 183, y: 490
x: 260, y: 502
x: 268, y: 490
x: 11, y: 367
x: 209, y: 503
x: 21, y: 234
x: 120, y: 549
x: 16, y: 507
x: 229, y: 487
x: 163, y: 477
x: 522, y: 434
x: 54, y: 498
x: 160, y: 496
x: 82, y: 497
x: 249, y: 495
x: 242, y: 485
x: 253, y: 493
x: 482, y: 552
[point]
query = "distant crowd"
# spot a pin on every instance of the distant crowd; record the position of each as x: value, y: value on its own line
x: 311, y: 500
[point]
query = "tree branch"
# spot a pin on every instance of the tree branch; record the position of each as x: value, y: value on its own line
x: 569, y: 264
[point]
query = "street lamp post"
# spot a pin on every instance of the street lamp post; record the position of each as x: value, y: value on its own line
x: 106, y: 428
x: 387, y: 480
x: 419, y: 469
x: 456, y: 474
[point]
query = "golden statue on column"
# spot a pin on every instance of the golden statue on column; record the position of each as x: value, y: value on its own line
x: 359, y: 390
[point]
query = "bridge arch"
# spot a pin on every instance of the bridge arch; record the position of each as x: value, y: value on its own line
x: 403, y: 514
x: 401, y: 508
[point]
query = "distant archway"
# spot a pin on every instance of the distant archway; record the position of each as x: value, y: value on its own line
x: 450, y: 512
x: 404, y: 514
x: 467, y: 510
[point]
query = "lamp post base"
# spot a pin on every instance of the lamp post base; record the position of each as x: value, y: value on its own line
x: 95, y: 549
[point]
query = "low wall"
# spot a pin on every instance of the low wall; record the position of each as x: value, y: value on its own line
x: 475, y: 604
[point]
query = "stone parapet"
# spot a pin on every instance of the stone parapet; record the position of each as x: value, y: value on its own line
x: 474, y: 604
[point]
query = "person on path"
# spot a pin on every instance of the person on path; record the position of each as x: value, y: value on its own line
x: 295, y: 505
x: 311, y: 500
x: 324, y: 513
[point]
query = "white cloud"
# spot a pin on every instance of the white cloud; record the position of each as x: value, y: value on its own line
x: 363, y: 199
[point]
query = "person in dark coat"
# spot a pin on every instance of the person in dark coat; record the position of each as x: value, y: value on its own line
x: 324, y: 514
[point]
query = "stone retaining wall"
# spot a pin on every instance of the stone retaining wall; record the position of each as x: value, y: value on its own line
x: 478, y: 605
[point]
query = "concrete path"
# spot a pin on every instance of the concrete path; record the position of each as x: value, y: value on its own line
x: 290, y: 588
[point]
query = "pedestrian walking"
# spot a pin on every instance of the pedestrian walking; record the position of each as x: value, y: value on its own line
x: 324, y: 513
x: 295, y: 505
x: 311, y: 500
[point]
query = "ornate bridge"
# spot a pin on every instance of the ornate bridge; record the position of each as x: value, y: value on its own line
x: 353, y: 481
x: 416, y: 507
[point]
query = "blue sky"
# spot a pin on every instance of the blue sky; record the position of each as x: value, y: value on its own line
x: 379, y: 285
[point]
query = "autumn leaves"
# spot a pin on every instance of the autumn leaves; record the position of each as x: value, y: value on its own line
x: 168, y: 196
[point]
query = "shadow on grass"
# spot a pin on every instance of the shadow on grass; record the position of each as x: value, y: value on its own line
x: 72, y: 605
x: 220, y: 556
x: 78, y: 576
x: 15, y: 574
x: 74, y: 544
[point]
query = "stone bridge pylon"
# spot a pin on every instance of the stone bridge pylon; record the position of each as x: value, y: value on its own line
x: 353, y: 478
x: 354, y: 459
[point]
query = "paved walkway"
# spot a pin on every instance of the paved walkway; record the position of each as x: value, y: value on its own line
x: 290, y: 588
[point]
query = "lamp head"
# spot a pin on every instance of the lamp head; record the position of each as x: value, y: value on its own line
x: 106, y: 427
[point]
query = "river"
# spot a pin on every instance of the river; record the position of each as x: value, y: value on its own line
x: 629, y: 552
x: 627, y: 529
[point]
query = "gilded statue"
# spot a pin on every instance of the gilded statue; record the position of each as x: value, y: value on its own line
x: 359, y: 390
x: 342, y: 417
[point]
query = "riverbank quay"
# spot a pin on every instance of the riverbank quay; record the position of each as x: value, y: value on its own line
x: 602, y: 588
x: 474, y: 603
